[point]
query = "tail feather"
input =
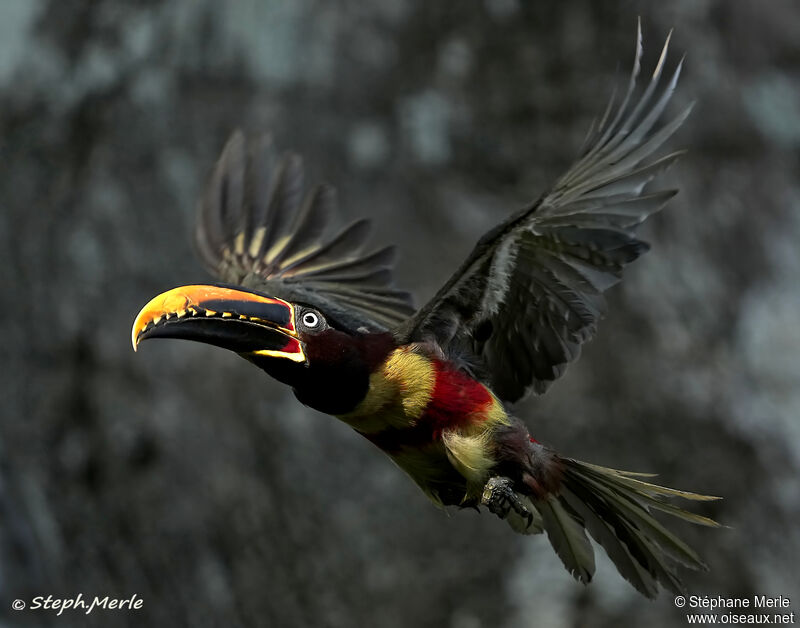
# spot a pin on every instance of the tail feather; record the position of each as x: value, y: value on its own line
x: 609, y: 538
x: 637, y: 559
x: 568, y: 538
x: 632, y: 512
x: 615, y: 508
x: 652, y: 494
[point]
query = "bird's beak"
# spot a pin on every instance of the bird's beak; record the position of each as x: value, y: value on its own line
x: 235, y: 319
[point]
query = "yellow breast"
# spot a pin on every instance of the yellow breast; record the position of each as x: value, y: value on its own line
x: 399, y: 392
x: 446, y: 445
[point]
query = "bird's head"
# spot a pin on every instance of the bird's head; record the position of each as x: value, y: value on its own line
x: 327, y: 365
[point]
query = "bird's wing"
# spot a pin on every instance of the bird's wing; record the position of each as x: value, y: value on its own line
x: 531, y: 292
x: 255, y: 228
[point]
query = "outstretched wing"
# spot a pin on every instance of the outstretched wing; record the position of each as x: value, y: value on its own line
x: 531, y: 292
x: 254, y: 228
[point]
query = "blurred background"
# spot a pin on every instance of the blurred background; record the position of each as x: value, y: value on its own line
x: 187, y: 477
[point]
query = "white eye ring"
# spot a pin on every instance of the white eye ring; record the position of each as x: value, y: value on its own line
x: 310, y: 320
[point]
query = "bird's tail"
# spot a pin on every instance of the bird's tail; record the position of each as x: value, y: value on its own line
x: 615, y: 508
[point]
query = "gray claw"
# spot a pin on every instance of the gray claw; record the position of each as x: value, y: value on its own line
x: 499, y: 497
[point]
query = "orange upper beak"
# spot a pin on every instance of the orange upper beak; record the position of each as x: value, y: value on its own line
x: 232, y: 318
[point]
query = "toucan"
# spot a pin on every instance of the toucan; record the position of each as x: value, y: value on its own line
x: 433, y: 387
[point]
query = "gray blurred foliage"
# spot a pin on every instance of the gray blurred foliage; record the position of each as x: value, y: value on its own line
x: 185, y: 476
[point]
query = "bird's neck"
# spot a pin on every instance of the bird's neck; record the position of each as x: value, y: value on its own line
x: 337, y: 378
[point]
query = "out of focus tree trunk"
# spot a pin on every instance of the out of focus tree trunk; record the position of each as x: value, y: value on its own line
x: 186, y: 477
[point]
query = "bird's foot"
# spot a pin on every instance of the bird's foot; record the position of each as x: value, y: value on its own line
x: 499, y: 497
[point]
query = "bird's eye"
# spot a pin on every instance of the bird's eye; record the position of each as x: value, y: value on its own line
x: 310, y: 319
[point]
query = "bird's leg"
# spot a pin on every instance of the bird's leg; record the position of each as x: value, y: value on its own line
x: 499, y: 497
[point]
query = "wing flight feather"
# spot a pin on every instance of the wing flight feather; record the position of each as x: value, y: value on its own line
x: 531, y: 292
x: 256, y: 228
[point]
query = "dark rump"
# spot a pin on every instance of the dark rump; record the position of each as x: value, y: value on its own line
x: 535, y: 469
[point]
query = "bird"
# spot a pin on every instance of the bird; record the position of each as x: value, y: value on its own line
x: 435, y: 387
